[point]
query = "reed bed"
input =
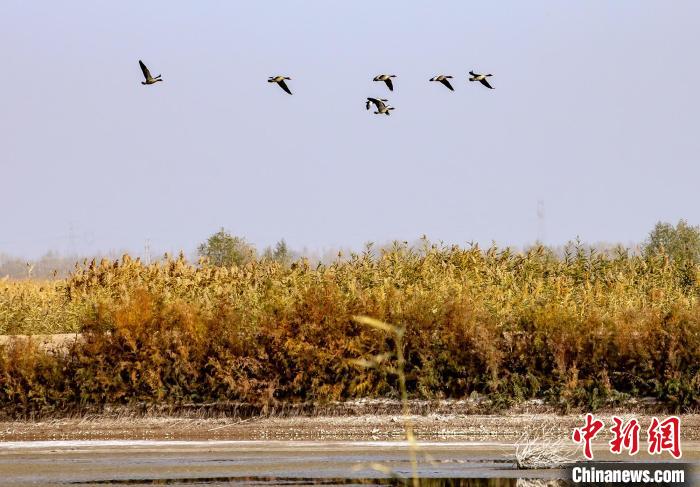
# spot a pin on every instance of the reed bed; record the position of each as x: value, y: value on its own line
x: 581, y: 331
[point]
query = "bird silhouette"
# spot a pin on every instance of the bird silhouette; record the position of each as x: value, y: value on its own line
x: 280, y: 81
x: 386, y: 78
x: 150, y: 80
x: 380, y: 103
x: 481, y: 78
x: 444, y: 80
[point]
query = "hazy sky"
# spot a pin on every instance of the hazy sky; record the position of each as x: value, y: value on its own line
x: 595, y: 112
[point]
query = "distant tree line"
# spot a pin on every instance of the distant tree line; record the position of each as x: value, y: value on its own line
x: 680, y: 243
x: 49, y: 266
x: 224, y: 249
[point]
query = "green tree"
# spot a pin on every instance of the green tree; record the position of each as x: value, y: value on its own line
x: 280, y: 253
x: 223, y: 249
x: 681, y: 243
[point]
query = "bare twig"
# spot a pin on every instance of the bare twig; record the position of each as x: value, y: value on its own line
x: 542, y: 448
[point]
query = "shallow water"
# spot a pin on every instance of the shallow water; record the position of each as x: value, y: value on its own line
x: 278, y: 481
x: 253, y: 463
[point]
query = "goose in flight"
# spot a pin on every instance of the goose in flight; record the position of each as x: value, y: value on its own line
x: 445, y: 80
x: 481, y: 78
x: 280, y: 81
x: 387, y: 79
x: 381, y: 105
x: 147, y: 74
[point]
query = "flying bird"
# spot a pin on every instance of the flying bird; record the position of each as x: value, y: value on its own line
x: 481, y: 78
x: 444, y: 80
x: 280, y: 81
x: 150, y: 80
x: 380, y: 103
x: 387, y: 79
x: 375, y: 101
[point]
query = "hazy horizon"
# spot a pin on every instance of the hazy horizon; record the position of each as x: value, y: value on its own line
x: 594, y: 113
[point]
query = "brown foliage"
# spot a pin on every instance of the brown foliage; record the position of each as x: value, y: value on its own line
x: 584, y: 331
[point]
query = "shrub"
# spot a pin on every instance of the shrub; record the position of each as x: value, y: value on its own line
x: 584, y: 331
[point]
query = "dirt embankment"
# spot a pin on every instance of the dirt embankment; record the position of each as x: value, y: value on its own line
x: 477, y: 428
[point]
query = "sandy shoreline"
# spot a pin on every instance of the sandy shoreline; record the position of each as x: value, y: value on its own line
x: 476, y: 428
x: 220, y: 451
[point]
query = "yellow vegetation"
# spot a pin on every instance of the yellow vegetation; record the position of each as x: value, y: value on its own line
x: 581, y: 330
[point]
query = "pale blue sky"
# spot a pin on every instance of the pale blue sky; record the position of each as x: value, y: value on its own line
x: 595, y: 112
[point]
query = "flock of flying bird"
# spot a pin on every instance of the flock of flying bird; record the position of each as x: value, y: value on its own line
x: 380, y: 103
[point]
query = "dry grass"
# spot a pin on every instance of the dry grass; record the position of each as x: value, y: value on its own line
x: 540, y: 483
x: 585, y: 331
x: 378, y: 362
x: 494, y: 281
x: 543, y: 447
